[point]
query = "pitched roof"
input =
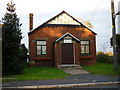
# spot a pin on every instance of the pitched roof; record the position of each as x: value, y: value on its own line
x: 63, y: 15
x: 68, y: 34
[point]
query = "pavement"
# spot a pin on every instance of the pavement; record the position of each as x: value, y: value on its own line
x: 76, y: 80
x: 75, y: 71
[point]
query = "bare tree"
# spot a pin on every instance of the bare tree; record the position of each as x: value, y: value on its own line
x: 104, y: 46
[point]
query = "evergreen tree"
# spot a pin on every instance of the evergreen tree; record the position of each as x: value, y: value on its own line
x: 12, y: 36
x: 23, y: 55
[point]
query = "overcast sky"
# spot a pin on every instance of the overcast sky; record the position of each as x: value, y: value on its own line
x: 98, y: 12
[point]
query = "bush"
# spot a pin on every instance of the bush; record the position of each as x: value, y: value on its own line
x: 105, y: 58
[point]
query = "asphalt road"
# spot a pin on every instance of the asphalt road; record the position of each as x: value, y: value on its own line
x: 72, y: 79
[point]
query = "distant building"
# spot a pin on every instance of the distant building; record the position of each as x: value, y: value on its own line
x: 119, y: 18
x: 61, y: 40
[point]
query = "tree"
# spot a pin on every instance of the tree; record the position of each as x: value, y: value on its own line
x: 104, y: 46
x: 12, y: 36
x: 23, y: 54
x: 104, y: 57
x: 86, y: 22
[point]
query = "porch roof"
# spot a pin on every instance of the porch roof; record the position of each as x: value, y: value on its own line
x: 73, y: 37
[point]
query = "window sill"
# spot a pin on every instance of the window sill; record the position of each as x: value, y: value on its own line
x: 37, y: 58
x: 87, y: 57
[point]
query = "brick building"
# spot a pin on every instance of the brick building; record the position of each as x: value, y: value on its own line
x: 61, y: 40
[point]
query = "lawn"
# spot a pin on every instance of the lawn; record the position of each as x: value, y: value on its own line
x: 102, y: 69
x: 36, y: 73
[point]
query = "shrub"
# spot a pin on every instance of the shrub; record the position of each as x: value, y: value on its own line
x: 106, y: 58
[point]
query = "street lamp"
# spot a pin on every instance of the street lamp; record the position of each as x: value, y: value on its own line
x: 118, y: 13
x: 115, y: 56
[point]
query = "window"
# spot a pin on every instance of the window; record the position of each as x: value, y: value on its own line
x: 85, y: 47
x: 41, y: 47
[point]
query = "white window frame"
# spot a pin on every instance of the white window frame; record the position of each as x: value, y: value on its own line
x: 85, y: 46
x: 41, y: 44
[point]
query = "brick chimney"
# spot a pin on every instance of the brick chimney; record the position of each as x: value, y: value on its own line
x: 31, y: 21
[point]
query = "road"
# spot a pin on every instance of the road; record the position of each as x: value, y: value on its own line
x: 103, y: 86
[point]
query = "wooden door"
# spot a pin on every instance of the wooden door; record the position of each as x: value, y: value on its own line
x: 67, y: 53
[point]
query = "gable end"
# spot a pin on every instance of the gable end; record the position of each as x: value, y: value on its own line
x: 72, y: 22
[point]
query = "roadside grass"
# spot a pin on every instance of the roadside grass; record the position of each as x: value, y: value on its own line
x: 38, y: 73
x: 43, y: 73
x: 102, y: 69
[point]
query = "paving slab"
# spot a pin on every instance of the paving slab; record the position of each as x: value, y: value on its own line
x: 75, y: 71
x: 72, y: 69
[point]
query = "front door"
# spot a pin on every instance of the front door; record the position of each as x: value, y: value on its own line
x: 67, y: 53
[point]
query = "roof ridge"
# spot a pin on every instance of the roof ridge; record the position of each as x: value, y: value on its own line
x: 57, y: 16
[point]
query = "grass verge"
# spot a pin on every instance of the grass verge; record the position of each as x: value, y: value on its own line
x: 36, y: 73
x: 102, y: 69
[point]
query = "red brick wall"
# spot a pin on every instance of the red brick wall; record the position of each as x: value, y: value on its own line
x: 87, y: 61
x: 57, y: 54
x: 53, y: 33
x: 77, y: 53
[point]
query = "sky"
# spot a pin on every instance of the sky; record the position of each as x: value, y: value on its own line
x: 98, y: 12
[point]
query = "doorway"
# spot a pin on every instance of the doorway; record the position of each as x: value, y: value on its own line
x: 67, y: 53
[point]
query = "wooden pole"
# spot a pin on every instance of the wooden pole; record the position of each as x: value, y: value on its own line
x: 115, y: 59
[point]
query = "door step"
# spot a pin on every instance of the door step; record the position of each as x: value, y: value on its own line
x: 69, y: 66
x: 72, y: 69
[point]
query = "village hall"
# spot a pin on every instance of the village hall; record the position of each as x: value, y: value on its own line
x: 62, y: 40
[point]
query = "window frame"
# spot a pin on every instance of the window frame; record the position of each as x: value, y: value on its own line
x: 41, y: 47
x: 85, y: 47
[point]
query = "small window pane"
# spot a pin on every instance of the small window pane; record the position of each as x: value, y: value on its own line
x: 38, y: 49
x: 84, y: 42
x: 87, y: 49
x: 41, y: 42
x: 43, y: 49
x: 82, y: 49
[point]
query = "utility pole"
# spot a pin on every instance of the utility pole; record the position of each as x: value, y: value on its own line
x: 119, y: 17
x: 115, y: 59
